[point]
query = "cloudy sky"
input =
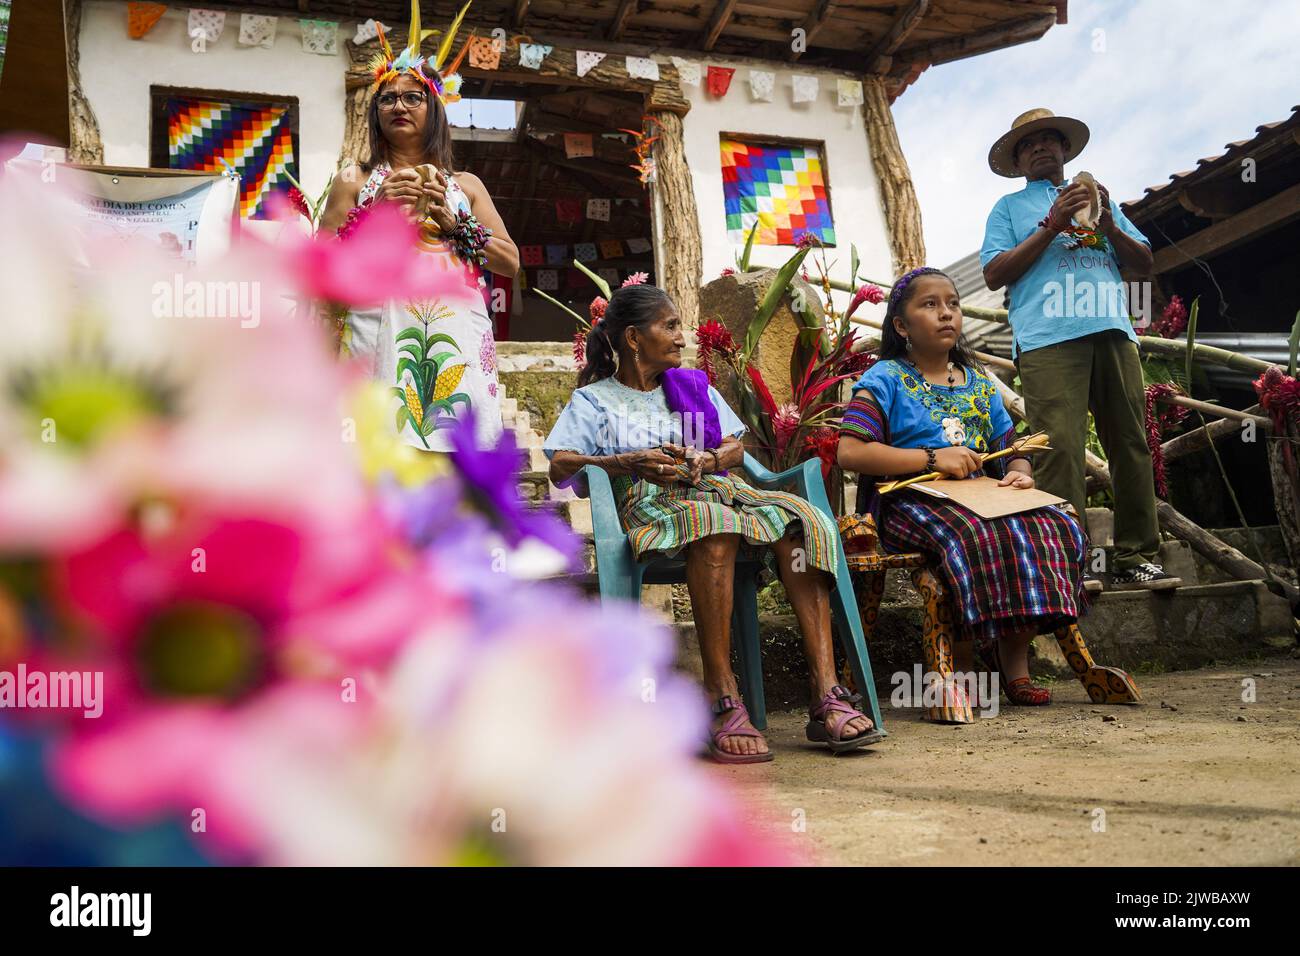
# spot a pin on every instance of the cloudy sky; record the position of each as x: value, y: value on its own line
x: 1160, y: 83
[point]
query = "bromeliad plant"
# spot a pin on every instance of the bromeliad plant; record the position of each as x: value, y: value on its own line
x: 826, y: 354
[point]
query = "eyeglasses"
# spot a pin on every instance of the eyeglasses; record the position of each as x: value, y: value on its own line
x: 411, y: 99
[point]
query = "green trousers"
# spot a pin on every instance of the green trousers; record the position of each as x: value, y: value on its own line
x: 1100, y: 373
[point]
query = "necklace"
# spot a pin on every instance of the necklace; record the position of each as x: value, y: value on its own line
x: 925, y: 382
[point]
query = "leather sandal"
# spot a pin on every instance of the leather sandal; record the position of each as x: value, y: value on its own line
x: 733, y: 726
x: 841, y: 707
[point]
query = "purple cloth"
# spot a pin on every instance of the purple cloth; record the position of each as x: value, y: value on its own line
x: 686, y: 390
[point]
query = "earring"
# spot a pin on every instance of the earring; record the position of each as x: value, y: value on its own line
x: 909, y: 344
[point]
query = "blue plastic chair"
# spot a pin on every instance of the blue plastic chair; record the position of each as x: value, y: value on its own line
x: 621, y: 577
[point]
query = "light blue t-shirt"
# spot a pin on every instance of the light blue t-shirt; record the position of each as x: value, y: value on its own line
x: 609, y: 418
x: 1074, y: 288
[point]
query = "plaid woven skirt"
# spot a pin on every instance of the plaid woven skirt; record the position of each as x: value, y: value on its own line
x: 1005, y: 574
x: 667, y: 518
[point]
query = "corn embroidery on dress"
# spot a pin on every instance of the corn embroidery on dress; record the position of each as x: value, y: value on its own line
x: 610, y: 418
x: 438, y: 355
x: 1005, y: 574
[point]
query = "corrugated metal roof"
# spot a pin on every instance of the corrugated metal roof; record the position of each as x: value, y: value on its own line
x: 968, y: 276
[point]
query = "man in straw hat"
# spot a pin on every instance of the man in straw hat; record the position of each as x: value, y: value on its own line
x: 1058, y: 248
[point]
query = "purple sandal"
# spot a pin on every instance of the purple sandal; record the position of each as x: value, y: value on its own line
x: 733, y: 726
x: 842, y: 708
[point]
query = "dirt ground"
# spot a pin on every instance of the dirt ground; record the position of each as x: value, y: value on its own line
x: 1192, y: 776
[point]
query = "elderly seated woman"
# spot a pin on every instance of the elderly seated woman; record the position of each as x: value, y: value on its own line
x: 667, y: 439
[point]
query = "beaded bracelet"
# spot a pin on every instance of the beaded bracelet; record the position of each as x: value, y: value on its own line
x: 469, y: 238
x: 929, y: 459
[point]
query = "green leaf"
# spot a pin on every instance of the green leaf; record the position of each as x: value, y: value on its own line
x: 580, y: 320
x: 405, y: 364
x: 601, y: 284
x: 427, y: 426
x: 441, y: 357
x: 412, y: 334
x: 403, y: 413
x: 433, y: 340
x: 1191, y: 338
x: 749, y: 246
x: 400, y: 393
x: 414, y: 350
x: 854, y: 262
x: 766, y: 308
x: 1295, y: 346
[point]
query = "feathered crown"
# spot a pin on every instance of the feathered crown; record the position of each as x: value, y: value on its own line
x: 384, y: 66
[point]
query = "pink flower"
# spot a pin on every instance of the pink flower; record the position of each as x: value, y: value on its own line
x: 866, y: 293
x: 636, y: 278
x: 298, y: 202
x: 808, y: 240
x: 1172, y: 321
x: 785, y: 423
x: 379, y: 261
x: 728, y: 271
x: 193, y: 624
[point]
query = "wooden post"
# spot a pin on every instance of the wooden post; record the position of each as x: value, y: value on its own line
x: 680, y: 258
x: 897, y: 195
x: 85, y: 144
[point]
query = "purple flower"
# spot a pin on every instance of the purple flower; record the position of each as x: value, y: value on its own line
x: 491, y: 482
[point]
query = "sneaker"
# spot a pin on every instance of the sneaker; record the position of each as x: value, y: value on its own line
x: 1149, y: 577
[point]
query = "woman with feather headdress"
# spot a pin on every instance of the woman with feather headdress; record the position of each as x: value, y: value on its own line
x: 437, y: 355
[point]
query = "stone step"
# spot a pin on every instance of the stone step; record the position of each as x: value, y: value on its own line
x: 1139, y: 631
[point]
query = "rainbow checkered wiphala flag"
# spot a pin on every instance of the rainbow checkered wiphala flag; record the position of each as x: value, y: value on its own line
x: 256, y: 141
x: 780, y: 188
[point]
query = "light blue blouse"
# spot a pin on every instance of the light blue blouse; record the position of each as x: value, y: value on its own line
x: 609, y: 418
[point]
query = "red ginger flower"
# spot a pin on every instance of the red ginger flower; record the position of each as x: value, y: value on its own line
x: 866, y: 293
x: 825, y: 442
x: 728, y: 271
x: 1279, y: 394
x: 1156, y: 422
x: 597, y: 309
x: 1172, y: 321
x: 298, y: 201
x: 579, y: 348
x: 713, y: 338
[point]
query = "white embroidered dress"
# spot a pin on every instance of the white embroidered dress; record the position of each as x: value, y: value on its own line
x: 440, y: 353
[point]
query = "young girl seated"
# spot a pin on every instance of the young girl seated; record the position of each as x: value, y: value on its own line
x: 924, y: 407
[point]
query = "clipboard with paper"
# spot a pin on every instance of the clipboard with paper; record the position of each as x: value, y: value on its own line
x: 984, y: 495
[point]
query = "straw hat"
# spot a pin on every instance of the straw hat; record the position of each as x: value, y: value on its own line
x: 1002, y: 157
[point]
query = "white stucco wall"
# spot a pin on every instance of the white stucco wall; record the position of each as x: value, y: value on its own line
x: 854, y: 193
x: 117, y: 72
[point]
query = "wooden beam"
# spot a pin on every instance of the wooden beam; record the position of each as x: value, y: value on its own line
x: 717, y: 23
x: 625, y: 10
x: 521, y: 11
x: 813, y: 23
x: 1198, y: 439
x: 1216, y: 200
x: 972, y: 44
x: 881, y: 56
x: 1233, y: 231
